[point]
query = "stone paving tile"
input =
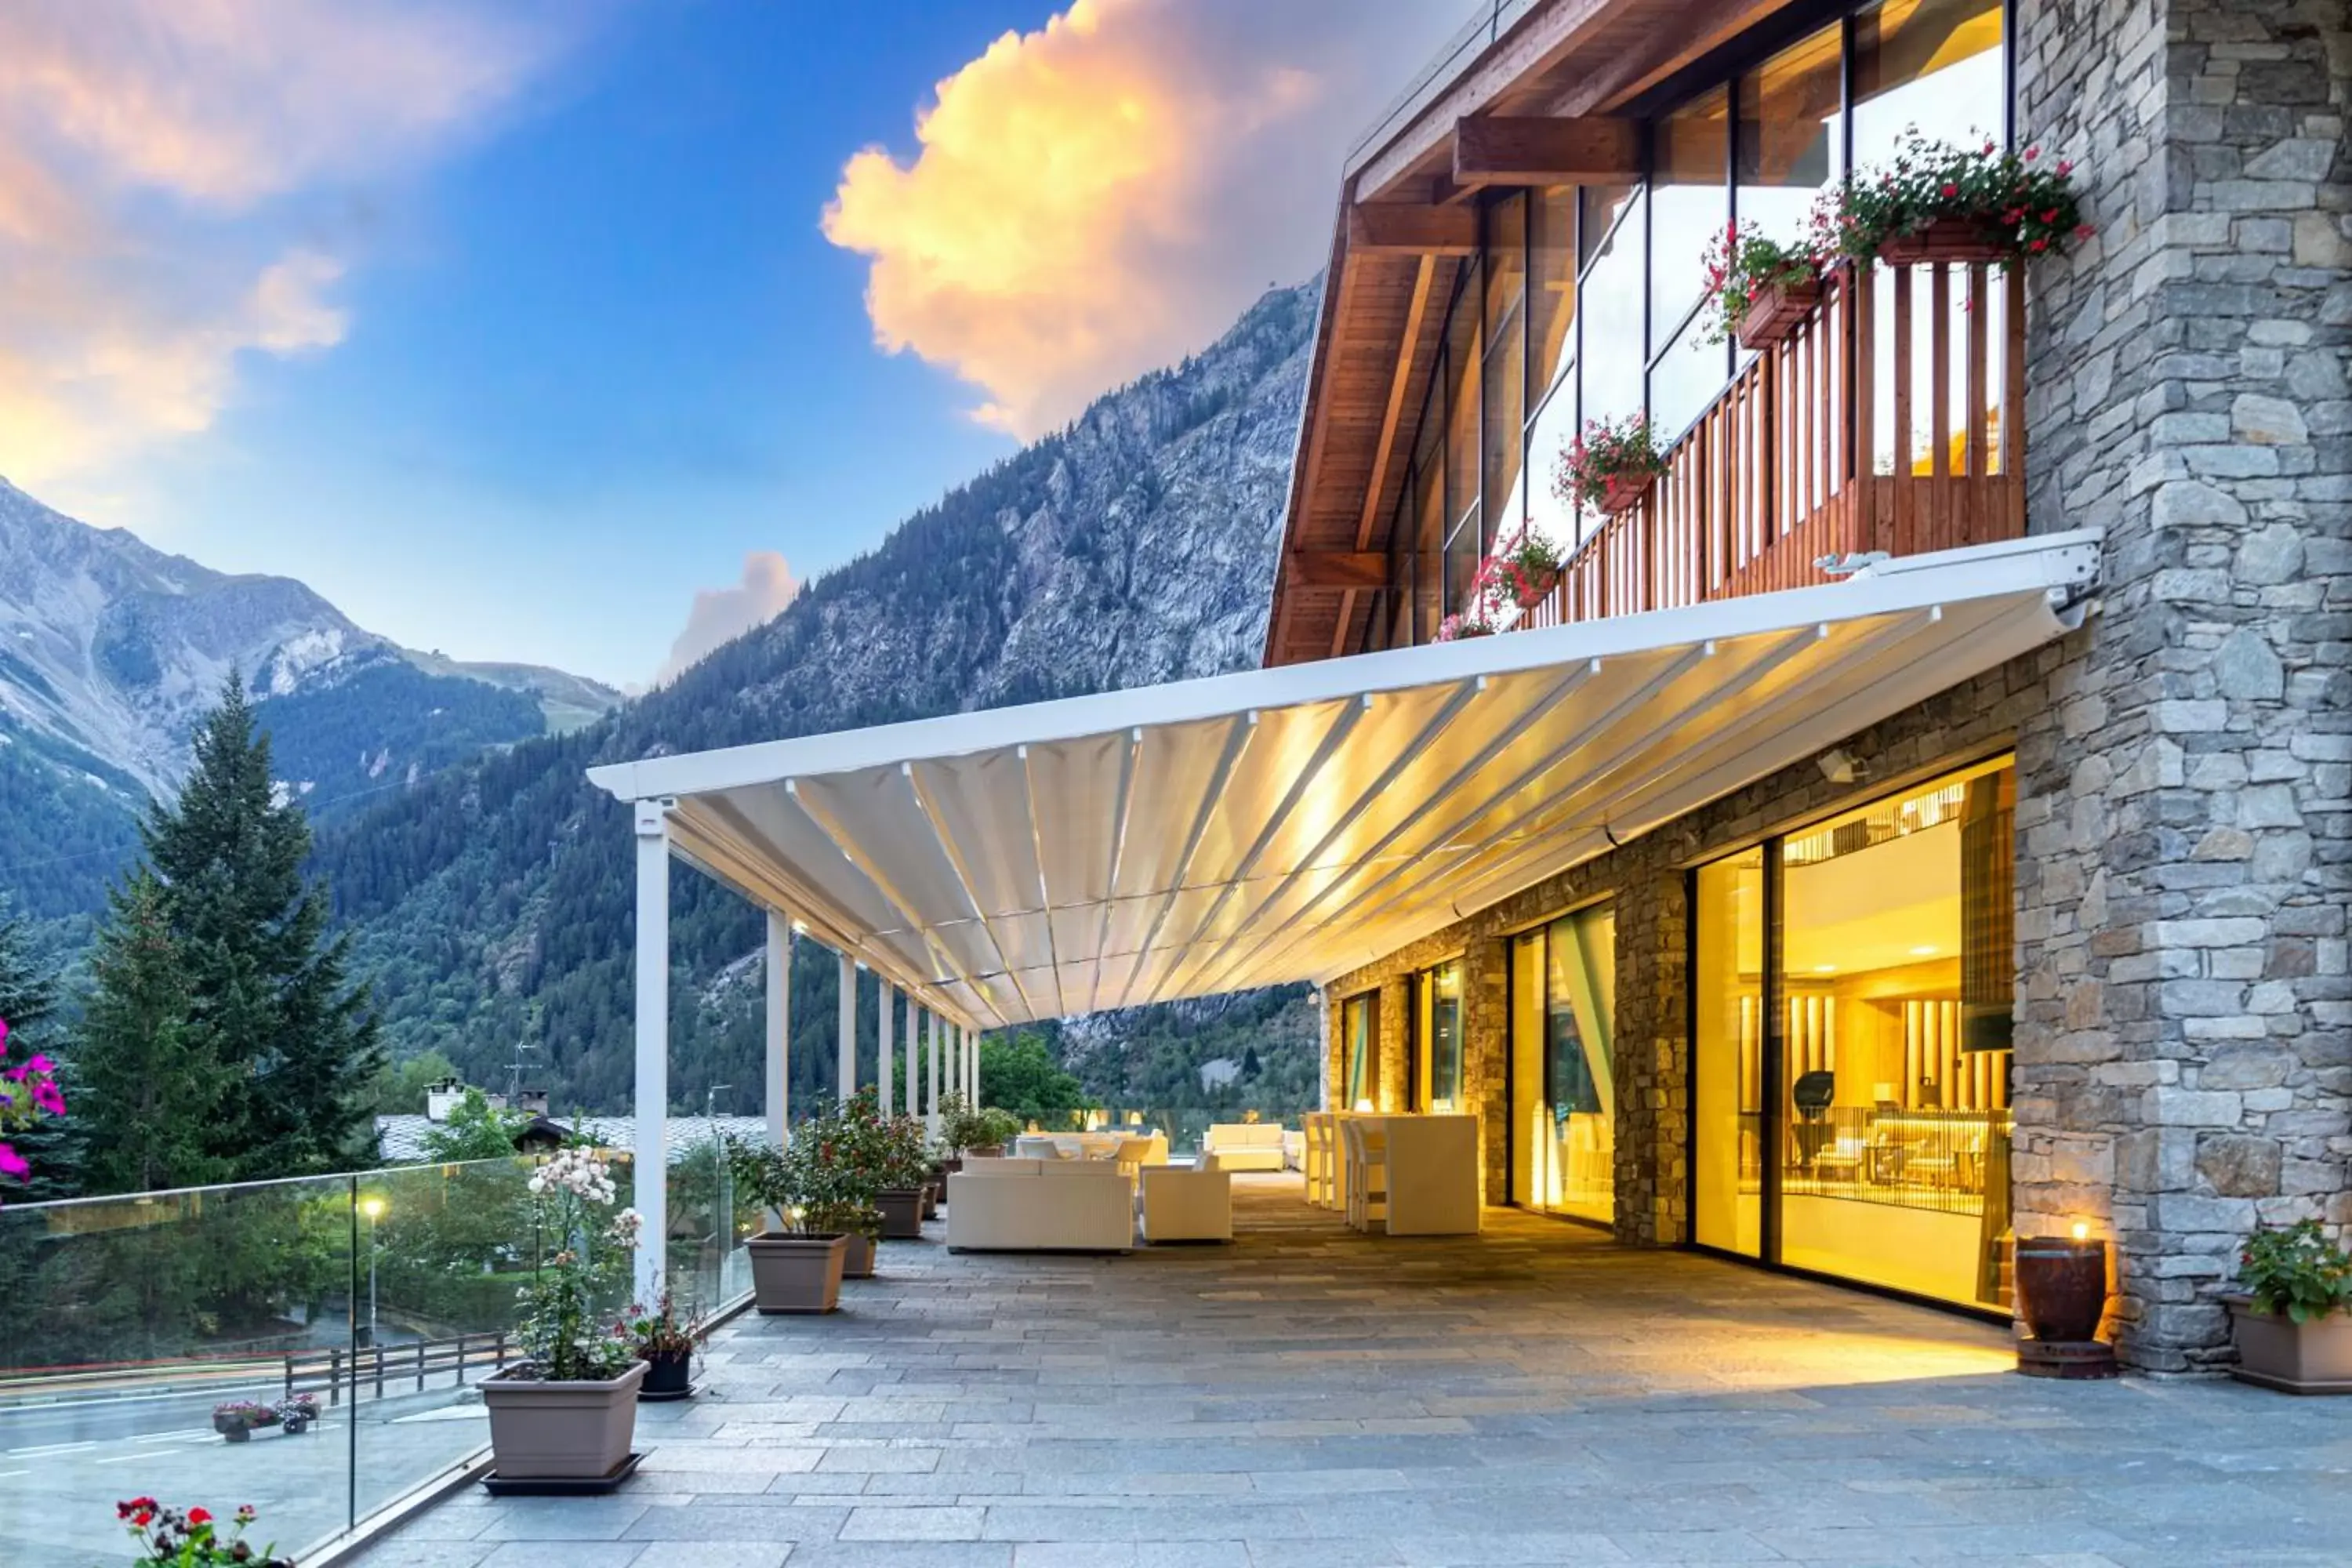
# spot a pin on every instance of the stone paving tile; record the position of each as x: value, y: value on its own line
x: 1534, y: 1395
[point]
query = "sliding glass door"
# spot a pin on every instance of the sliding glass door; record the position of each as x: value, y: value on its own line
x: 1436, y: 1061
x: 1563, y: 1083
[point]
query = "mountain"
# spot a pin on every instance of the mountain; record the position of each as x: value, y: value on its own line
x: 490, y: 903
x: 110, y: 648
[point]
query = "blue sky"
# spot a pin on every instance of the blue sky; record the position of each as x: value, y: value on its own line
x: 511, y: 328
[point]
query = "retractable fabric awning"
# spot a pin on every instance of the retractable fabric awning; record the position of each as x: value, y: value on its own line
x: 1295, y: 823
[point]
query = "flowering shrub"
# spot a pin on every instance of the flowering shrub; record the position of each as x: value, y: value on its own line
x: 964, y: 1126
x: 190, y: 1537
x: 1609, y: 452
x: 660, y: 1333
x: 2013, y: 200
x: 561, y: 1340
x: 1521, y: 573
x: 1471, y: 620
x: 826, y: 1176
x: 28, y: 1091
x: 1740, y: 264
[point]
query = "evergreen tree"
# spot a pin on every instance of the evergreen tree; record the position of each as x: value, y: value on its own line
x: 267, y: 995
x: 153, y: 1094
x: 28, y: 1000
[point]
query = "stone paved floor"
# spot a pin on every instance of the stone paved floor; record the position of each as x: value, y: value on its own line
x: 1307, y: 1396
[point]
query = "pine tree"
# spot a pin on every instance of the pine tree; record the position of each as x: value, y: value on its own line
x: 267, y: 1000
x: 152, y: 1095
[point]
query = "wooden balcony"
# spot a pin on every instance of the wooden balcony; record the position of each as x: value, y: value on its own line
x: 1891, y: 420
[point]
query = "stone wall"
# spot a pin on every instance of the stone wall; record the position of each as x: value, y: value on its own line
x: 2184, y: 1064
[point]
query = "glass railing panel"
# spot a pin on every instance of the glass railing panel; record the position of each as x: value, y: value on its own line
x: 129, y: 1321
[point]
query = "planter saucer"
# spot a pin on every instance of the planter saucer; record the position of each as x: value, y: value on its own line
x: 564, y: 1486
x: 2292, y: 1385
x: 669, y: 1396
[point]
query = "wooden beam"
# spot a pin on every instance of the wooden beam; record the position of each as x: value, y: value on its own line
x: 1338, y: 569
x: 1394, y: 228
x: 1517, y: 150
x: 1392, y: 420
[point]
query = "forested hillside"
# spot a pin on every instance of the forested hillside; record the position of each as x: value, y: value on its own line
x: 491, y: 903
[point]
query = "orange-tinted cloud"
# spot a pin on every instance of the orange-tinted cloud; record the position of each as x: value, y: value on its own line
x: 721, y: 614
x: 171, y: 173
x: 1105, y: 194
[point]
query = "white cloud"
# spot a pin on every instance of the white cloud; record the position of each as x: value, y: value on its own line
x: 172, y: 179
x: 721, y: 614
x: 1105, y: 194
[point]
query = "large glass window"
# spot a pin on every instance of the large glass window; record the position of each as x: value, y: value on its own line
x: 1437, y: 1038
x: 1935, y: 64
x: 1792, y: 134
x: 1564, y: 1100
x: 1727, y: 1054
x: 1358, y: 1035
x: 1690, y: 202
x: 1872, y: 1069
x: 1551, y: 286
x: 1505, y: 385
x: 1612, y: 352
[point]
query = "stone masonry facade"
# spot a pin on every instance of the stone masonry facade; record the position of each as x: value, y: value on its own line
x: 2183, y: 1067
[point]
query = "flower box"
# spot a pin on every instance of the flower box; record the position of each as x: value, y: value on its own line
x: 1945, y: 239
x: 797, y: 1271
x: 2276, y: 1351
x: 1776, y: 311
x: 570, y: 1430
x: 1623, y: 492
x: 1534, y: 591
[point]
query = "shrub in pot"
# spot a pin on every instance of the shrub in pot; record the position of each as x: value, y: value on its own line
x: 898, y: 1155
x: 568, y: 1410
x: 1610, y: 465
x: 1520, y: 575
x: 666, y: 1341
x: 819, y: 1188
x: 2293, y: 1321
x: 192, y: 1537
x: 1939, y: 203
x: 1758, y: 291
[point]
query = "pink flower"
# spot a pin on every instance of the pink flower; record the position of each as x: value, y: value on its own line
x: 2064, y: 167
x: 13, y: 1164
x: 1950, y: 190
x: 2031, y: 153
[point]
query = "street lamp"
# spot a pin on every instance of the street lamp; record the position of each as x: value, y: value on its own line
x: 372, y: 1207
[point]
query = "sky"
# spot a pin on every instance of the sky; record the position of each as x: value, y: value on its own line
x: 583, y: 332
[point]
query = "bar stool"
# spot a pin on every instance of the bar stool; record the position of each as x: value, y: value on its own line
x: 1321, y: 1188
x: 1368, y: 1175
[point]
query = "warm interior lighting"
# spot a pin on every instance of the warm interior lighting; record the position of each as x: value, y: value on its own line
x: 1925, y: 950
x: 1363, y: 1108
x: 1825, y: 969
x: 2081, y: 1231
x: 372, y: 1207
x: 1444, y: 1106
x: 1135, y: 1119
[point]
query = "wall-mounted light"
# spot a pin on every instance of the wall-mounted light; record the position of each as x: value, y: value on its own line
x: 1363, y: 1108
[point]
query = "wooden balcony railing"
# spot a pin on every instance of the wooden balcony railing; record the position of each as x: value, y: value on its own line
x: 1892, y: 419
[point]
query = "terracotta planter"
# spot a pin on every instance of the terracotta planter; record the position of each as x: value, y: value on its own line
x: 669, y: 1374
x: 562, y: 1431
x: 902, y: 1212
x: 2062, y: 1287
x: 793, y: 1272
x: 1945, y: 239
x: 1537, y: 591
x: 2276, y: 1351
x: 858, y: 1258
x: 1776, y: 310
x: 235, y: 1430
x: 1625, y: 492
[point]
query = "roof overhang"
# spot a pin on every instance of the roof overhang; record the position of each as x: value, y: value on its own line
x: 1294, y: 823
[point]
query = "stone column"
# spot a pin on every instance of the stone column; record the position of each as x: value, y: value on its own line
x: 1652, y: 1061
x: 2184, y: 1032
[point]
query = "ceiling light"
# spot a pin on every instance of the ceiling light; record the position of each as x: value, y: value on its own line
x: 1925, y: 950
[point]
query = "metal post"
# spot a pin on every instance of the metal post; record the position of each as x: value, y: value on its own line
x: 846, y: 1049
x: 651, y: 1169
x: 780, y: 1024
x: 935, y: 1074
x: 886, y: 998
x: 914, y: 1095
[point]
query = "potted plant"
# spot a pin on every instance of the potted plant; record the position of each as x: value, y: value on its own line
x: 568, y: 1410
x: 1473, y: 620
x: 2293, y: 1323
x: 1758, y: 289
x: 1523, y: 573
x: 901, y: 1168
x: 1939, y: 203
x: 238, y: 1419
x: 989, y: 1133
x: 191, y: 1538
x: 798, y: 1265
x: 666, y: 1341
x: 1610, y: 466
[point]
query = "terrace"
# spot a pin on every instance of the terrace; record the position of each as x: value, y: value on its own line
x: 1309, y: 1396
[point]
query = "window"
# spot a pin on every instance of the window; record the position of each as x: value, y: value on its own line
x: 1437, y: 1038
x: 1935, y: 64
x: 1360, y: 1040
x: 1611, y: 355
x: 1852, y: 996
x: 1690, y: 202
x: 1505, y: 388
x: 1563, y: 1117
x: 1791, y: 134
x: 1551, y: 286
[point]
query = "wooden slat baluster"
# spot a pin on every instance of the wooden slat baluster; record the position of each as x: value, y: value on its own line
x: 1980, y: 404
x: 1863, y: 344
x: 1939, y: 405
x: 1905, y: 478
x: 2013, y: 402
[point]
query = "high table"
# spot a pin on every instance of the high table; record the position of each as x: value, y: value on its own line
x: 1433, y: 1171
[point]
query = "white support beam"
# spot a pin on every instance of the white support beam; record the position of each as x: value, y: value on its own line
x: 914, y: 1095
x: 845, y: 1040
x: 886, y: 1000
x: 779, y: 967
x: 936, y: 1074
x: 651, y: 1164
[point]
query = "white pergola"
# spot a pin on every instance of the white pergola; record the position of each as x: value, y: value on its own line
x: 1279, y: 824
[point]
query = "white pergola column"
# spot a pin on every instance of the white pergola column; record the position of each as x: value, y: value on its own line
x: 885, y: 999
x: 780, y: 1026
x: 914, y: 1095
x: 936, y: 1074
x: 972, y: 1062
x: 847, y: 1050
x: 650, y: 1165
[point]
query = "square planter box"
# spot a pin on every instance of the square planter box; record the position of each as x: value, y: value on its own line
x: 1945, y: 239
x: 797, y: 1273
x: 1776, y: 311
x: 562, y: 1431
x: 902, y: 1212
x: 1624, y: 493
x: 2276, y: 1351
